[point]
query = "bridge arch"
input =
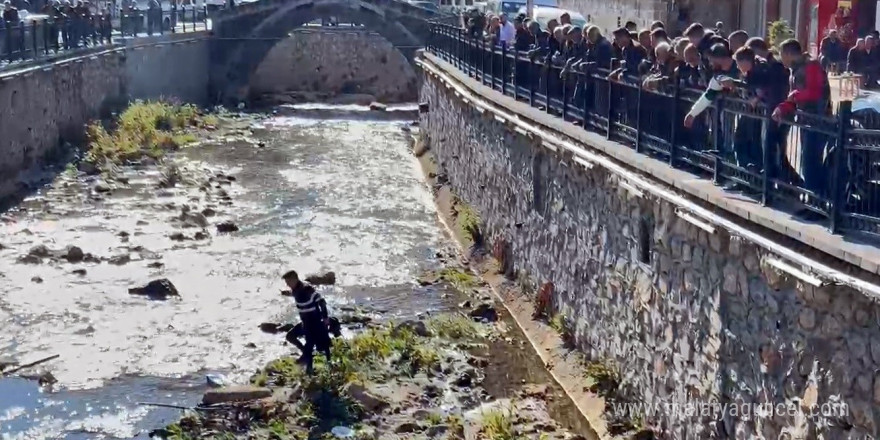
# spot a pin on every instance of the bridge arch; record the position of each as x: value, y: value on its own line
x: 243, y: 38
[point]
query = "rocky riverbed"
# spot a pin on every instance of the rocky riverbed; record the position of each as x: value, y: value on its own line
x: 86, y: 259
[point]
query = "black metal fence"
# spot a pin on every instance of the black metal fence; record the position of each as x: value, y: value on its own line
x: 825, y: 168
x: 32, y: 39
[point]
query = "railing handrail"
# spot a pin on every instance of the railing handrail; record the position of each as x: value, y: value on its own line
x: 837, y: 134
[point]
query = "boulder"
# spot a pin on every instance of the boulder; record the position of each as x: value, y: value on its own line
x: 201, y: 235
x: 29, y: 259
x: 156, y: 265
x: 120, y: 260
x: 40, y: 251
x: 417, y: 327
x: 351, y: 318
x: 73, y: 254
x: 209, y: 212
x: 367, y: 399
x: 227, y: 226
x: 193, y: 219
x: 37, y: 280
x: 378, y: 107
x: 88, y: 168
x: 437, y: 430
x: 6, y: 362
x: 101, y: 187
x: 485, y: 312
x: 466, y: 378
x: 407, y: 427
x: 324, y: 279
x: 156, y: 289
x: 80, y: 272
x: 178, y: 236
x: 238, y: 393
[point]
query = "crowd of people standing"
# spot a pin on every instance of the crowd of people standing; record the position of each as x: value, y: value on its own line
x: 778, y: 80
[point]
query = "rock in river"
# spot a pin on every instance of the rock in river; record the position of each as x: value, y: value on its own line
x: 485, y: 312
x: 227, y: 226
x: 378, y: 107
x: 73, y: 254
x: 324, y: 279
x: 368, y: 400
x: 156, y: 289
x: 240, y: 393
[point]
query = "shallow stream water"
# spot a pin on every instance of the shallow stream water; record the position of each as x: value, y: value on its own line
x: 341, y: 194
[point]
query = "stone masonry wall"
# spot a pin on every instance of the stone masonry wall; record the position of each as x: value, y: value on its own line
x: 337, y: 62
x: 691, y: 318
x: 45, y: 107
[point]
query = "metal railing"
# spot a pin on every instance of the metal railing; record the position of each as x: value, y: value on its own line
x: 824, y: 167
x: 38, y: 38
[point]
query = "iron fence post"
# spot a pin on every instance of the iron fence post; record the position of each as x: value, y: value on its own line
x: 46, y: 37
x: 483, y: 62
x: 184, y: 19
x: 21, y: 41
x: 610, y: 106
x: 767, y: 147
x: 548, y: 68
x: 586, y: 77
x: 503, y: 63
x: 172, y: 21
x: 564, y: 78
x: 34, y: 38
x: 639, y: 120
x: 531, y: 70
x: 717, y: 140
x: 844, y: 119
x: 515, y: 71
x: 676, y: 90
x: 492, y: 66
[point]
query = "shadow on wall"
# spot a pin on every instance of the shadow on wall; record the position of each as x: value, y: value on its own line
x: 314, y: 65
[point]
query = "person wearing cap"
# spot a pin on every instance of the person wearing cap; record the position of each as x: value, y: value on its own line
x: 810, y: 93
x: 631, y: 52
x: 724, y: 72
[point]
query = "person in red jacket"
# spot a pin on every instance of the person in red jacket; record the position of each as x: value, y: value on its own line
x: 810, y: 93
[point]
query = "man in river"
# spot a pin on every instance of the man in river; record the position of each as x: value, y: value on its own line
x: 314, y: 318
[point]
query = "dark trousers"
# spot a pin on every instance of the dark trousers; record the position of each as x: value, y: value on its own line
x: 747, y: 143
x: 316, y: 337
x: 813, y: 164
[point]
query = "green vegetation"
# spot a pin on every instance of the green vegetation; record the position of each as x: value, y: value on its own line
x: 459, y: 279
x: 468, y: 221
x: 454, y: 327
x: 557, y: 323
x: 498, y: 425
x: 604, y: 378
x: 144, y: 129
x: 456, y: 426
x: 434, y: 419
x: 779, y: 31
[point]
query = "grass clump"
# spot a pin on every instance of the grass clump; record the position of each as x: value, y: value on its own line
x: 454, y: 327
x: 468, y: 222
x: 459, y: 279
x: 144, y: 129
x: 603, y: 377
x: 456, y: 426
x: 498, y: 425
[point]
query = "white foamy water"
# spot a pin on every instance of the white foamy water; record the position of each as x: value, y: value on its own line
x: 339, y: 195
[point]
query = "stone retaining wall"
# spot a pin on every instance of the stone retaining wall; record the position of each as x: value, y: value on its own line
x: 336, y: 62
x: 692, y: 318
x: 47, y: 106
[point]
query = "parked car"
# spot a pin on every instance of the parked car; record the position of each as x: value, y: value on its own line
x: 543, y: 14
x: 431, y: 6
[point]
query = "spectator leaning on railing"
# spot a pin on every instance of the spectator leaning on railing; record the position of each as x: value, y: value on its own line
x: 810, y: 93
x: 856, y: 60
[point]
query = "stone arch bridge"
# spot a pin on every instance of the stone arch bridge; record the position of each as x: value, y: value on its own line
x: 243, y: 35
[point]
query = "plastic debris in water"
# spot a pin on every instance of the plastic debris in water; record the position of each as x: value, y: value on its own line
x: 216, y: 380
x: 342, y: 432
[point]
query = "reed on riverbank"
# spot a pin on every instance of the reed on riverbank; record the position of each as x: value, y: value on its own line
x: 144, y: 129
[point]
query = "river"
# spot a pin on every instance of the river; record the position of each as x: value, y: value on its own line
x: 341, y: 194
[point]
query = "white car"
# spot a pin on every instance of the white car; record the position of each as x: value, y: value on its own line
x: 543, y: 14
